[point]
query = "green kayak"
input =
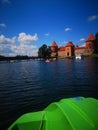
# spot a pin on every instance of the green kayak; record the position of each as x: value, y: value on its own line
x: 77, y: 113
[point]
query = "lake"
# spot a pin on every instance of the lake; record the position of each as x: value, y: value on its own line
x: 29, y: 85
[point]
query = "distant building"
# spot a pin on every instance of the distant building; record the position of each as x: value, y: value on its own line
x: 70, y: 49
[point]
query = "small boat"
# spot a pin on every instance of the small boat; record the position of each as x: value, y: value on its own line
x: 12, y: 61
x: 76, y: 113
x: 47, y: 60
x: 78, y: 56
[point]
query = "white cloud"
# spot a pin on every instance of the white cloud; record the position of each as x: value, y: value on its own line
x: 92, y: 18
x: 5, y: 49
x: 2, y: 25
x: 24, y: 38
x: 47, y: 34
x: 9, y: 46
x: 4, y: 40
x: 83, y: 44
x: 24, y: 50
x: 67, y: 29
x: 82, y: 39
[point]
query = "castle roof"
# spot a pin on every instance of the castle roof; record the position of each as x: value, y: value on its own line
x: 90, y: 37
x: 69, y: 44
x: 54, y: 44
x: 61, y: 48
x: 80, y: 48
x: 76, y: 46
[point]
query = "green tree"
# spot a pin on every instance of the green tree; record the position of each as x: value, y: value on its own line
x: 44, y: 51
x: 96, y: 43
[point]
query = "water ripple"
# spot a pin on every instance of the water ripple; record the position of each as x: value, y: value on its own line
x: 31, y: 85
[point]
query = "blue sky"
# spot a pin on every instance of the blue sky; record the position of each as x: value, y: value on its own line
x: 27, y: 24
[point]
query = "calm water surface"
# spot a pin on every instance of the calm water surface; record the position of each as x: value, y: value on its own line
x: 31, y: 85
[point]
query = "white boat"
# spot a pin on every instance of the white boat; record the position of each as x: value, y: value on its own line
x: 12, y: 61
x: 78, y: 56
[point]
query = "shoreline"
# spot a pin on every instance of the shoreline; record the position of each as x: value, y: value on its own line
x: 19, y: 58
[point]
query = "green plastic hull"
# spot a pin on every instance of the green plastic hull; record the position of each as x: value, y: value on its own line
x: 68, y: 114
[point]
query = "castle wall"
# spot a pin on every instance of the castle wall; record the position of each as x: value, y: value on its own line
x: 69, y: 51
x: 84, y: 51
x: 61, y: 54
x: 80, y: 51
x: 88, y: 51
x: 54, y: 54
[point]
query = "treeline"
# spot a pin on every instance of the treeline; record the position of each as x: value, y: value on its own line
x: 18, y: 57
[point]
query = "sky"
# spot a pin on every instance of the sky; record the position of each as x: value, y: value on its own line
x: 25, y: 25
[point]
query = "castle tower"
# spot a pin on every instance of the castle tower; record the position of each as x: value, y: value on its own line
x: 69, y: 49
x: 90, y: 41
x: 54, y: 49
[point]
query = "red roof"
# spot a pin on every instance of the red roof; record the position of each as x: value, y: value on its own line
x: 54, y: 44
x: 90, y: 37
x: 76, y: 46
x: 69, y: 44
x: 61, y: 48
x: 82, y: 47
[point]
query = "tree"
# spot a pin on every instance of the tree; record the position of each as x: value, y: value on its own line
x: 44, y: 51
x: 96, y: 43
x: 96, y: 35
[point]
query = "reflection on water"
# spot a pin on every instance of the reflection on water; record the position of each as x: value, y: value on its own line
x: 31, y: 85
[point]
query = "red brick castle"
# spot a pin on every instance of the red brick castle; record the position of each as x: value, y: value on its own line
x: 70, y: 49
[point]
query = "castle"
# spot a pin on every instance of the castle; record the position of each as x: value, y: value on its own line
x: 70, y: 49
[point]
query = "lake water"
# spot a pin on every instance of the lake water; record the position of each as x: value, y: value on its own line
x: 27, y: 86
